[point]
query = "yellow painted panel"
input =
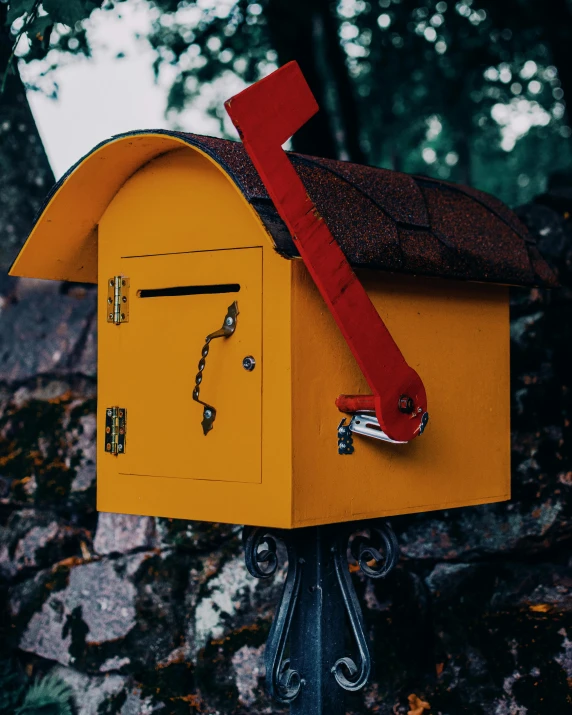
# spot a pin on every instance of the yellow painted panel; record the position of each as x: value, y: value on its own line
x: 456, y: 335
x: 267, y: 502
x: 254, y: 502
x: 192, y: 190
x: 160, y: 348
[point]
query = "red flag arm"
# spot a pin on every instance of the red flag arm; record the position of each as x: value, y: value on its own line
x: 266, y: 115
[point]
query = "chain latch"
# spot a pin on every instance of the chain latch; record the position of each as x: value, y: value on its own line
x: 228, y: 328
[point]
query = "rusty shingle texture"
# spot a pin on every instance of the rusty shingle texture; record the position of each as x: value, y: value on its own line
x: 391, y: 221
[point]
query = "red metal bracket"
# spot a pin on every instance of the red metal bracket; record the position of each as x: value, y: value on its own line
x: 266, y: 115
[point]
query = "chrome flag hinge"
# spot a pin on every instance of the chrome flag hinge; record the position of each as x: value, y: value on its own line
x: 367, y: 425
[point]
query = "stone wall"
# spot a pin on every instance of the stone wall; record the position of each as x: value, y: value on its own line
x: 144, y: 615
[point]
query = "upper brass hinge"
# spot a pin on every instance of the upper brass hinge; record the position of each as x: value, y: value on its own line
x: 115, y: 430
x: 118, y: 300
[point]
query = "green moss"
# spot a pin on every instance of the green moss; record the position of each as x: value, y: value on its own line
x: 173, y: 685
x: 112, y: 705
x: 36, y: 451
x: 22, y: 456
x: 195, y: 535
x: 89, y: 407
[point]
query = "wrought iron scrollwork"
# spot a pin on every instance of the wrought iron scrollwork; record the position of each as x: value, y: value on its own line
x: 373, y: 546
x: 372, y: 561
x: 259, y: 549
x: 375, y: 562
x: 284, y: 682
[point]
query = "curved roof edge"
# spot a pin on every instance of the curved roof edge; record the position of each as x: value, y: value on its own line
x: 382, y: 219
x: 62, y: 244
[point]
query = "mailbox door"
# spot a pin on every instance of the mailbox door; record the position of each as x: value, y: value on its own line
x: 149, y: 365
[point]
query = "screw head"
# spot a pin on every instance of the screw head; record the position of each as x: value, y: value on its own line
x: 249, y: 363
x: 208, y: 414
x: 406, y: 405
x: 228, y: 321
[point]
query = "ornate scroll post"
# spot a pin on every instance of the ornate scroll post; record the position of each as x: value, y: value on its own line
x: 308, y: 663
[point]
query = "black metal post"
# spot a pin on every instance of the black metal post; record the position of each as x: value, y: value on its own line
x: 305, y: 662
x: 317, y: 634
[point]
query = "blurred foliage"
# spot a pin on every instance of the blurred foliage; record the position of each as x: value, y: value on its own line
x: 12, y: 685
x: 48, y: 695
x: 471, y: 91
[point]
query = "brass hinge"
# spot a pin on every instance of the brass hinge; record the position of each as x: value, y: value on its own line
x: 118, y: 300
x: 115, y: 429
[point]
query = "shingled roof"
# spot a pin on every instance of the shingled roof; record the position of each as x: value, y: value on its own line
x: 391, y: 221
x: 387, y: 220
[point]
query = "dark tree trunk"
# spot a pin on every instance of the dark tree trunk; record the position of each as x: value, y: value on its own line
x: 553, y: 21
x: 463, y: 146
x: 25, y: 173
x: 345, y: 100
x: 558, y: 32
x: 307, y: 32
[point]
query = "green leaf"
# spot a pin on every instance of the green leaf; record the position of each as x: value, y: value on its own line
x: 37, y: 28
x: 48, y: 696
x: 68, y: 12
x: 18, y: 8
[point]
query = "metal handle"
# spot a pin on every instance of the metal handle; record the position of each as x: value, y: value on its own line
x: 228, y: 328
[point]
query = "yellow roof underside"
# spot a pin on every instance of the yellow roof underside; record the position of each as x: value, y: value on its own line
x: 63, y: 242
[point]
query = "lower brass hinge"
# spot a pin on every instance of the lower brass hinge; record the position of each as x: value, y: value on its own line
x: 115, y: 429
x: 118, y: 300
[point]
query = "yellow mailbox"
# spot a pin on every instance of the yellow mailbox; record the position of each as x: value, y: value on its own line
x: 184, y: 242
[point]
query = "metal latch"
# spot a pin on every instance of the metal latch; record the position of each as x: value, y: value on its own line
x: 345, y: 439
x: 115, y: 429
x: 228, y: 328
x: 118, y: 300
x: 366, y: 424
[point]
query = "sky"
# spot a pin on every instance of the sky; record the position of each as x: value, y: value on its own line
x: 103, y: 95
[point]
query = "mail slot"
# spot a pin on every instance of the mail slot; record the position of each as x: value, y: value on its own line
x: 181, y: 236
x: 161, y: 346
